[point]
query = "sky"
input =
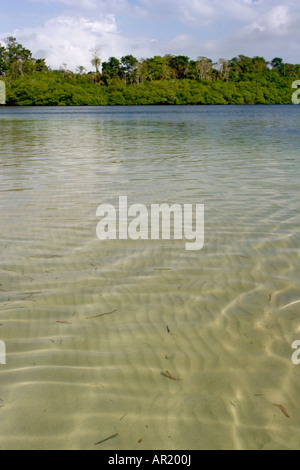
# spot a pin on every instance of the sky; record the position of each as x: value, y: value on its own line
x: 65, y: 31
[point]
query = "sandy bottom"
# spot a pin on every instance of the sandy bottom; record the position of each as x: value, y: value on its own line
x: 97, y: 333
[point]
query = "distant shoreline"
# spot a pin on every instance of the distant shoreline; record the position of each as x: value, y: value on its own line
x: 17, y: 106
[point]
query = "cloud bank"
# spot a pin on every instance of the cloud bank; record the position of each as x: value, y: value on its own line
x: 215, y: 28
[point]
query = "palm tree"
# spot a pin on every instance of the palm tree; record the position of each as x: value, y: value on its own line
x: 96, y: 61
x: 80, y: 69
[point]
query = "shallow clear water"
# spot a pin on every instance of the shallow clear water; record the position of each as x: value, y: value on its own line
x: 222, y: 319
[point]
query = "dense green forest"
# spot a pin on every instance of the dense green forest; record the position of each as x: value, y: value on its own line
x: 175, y: 80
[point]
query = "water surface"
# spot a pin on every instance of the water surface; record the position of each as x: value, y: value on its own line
x: 222, y: 319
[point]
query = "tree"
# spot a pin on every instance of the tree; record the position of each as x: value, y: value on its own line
x: 204, y: 68
x: 3, y: 61
x: 277, y: 63
x: 64, y: 70
x: 180, y: 64
x: 158, y: 68
x: 80, y: 69
x: 41, y: 66
x: 128, y: 64
x: 224, y: 68
x: 16, y: 55
x: 96, y: 61
x: 260, y: 64
x: 241, y: 64
x: 141, y: 71
x: 111, y: 68
x: 16, y: 51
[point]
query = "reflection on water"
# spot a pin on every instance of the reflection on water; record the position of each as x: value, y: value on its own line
x: 92, y: 327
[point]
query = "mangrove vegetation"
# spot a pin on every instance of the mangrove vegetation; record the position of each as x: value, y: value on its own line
x: 173, y: 80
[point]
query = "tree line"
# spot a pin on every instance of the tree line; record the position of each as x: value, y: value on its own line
x: 165, y: 79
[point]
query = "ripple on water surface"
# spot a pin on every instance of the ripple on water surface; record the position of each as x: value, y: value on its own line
x: 97, y: 333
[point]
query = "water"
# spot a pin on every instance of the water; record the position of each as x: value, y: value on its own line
x: 222, y: 319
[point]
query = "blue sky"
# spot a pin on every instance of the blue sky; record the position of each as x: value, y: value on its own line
x: 64, y: 31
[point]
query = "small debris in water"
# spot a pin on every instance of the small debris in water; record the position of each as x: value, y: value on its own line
x: 282, y: 408
x: 169, y: 376
x: 101, y: 315
x: 107, y: 439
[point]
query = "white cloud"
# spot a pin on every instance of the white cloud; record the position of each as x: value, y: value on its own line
x: 67, y: 39
x: 258, y: 27
x: 215, y: 28
x: 273, y: 32
x: 276, y: 21
x: 199, y: 12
